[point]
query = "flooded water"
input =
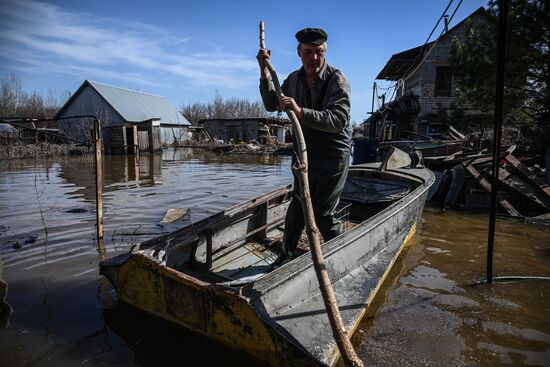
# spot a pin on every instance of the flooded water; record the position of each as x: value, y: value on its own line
x: 54, y: 310
x: 432, y: 314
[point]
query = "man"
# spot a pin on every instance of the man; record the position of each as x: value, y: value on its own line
x: 319, y: 95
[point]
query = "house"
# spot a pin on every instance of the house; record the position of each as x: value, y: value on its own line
x: 130, y: 120
x: 246, y: 129
x: 425, y: 91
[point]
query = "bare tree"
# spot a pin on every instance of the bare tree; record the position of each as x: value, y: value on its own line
x: 14, y: 102
x: 31, y: 105
x: 220, y: 108
x: 10, y: 93
x: 194, y: 112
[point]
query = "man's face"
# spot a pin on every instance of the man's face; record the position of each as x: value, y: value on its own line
x: 313, y: 57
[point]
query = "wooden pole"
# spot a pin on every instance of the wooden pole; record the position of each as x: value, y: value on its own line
x: 372, y: 130
x: 98, y: 180
x: 314, y: 235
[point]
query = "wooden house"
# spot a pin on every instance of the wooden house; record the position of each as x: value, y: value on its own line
x: 130, y: 120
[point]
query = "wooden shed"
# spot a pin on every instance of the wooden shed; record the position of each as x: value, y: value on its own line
x: 130, y: 120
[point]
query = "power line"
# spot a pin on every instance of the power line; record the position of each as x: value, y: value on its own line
x: 433, y: 45
x: 406, y: 73
x: 402, y: 81
x: 436, y: 24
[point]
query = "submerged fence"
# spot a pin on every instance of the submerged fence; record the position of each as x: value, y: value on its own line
x: 96, y: 142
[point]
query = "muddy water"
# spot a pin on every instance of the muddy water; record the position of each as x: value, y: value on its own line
x: 426, y: 314
x: 434, y: 314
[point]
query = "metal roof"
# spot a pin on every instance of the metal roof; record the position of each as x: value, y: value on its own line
x: 138, y: 106
x: 405, y: 61
x: 402, y: 62
x: 135, y: 106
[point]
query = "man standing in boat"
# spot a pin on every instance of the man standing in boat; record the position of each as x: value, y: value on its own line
x: 319, y: 95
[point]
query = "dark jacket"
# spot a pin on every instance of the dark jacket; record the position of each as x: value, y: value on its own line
x: 325, y: 123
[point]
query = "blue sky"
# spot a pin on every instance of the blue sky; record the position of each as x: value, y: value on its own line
x: 189, y: 50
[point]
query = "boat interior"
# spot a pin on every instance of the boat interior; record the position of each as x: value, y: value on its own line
x: 239, y: 245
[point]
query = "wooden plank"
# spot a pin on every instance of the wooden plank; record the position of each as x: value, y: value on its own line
x: 454, y: 155
x: 487, y: 186
x: 536, y: 182
x: 455, y: 134
x: 261, y: 222
x: 521, y: 186
x: 481, y: 160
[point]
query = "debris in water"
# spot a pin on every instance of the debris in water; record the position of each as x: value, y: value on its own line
x: 77, y: 210
x: 174, y: 214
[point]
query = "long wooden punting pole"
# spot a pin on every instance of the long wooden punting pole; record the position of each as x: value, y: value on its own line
x: 314, y: 236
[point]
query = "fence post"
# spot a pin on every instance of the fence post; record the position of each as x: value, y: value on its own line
x: 98, y: 179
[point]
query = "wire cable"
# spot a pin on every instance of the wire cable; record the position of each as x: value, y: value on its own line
x: 431, y: 48
x: 430, y: 36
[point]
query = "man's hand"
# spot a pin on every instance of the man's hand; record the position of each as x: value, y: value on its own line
x: 262, y: 55
x: 289, y: 102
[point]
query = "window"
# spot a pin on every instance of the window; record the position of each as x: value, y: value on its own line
x: 443, y: 81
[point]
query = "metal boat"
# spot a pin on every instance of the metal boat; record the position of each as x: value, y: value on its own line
x: 216, y: 276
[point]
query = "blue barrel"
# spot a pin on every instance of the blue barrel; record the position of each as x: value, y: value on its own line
x: 365, y: 150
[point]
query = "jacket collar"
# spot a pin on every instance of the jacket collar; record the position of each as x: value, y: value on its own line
x: 321, y: 74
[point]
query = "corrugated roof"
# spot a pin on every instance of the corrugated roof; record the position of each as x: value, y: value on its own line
x: 136, y: 106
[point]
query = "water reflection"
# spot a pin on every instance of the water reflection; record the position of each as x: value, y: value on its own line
x: 119, y: 172
x: 5, y: 308
x: 157, y: 343
x: 207, y: 156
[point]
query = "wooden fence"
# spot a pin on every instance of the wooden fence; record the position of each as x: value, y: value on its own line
x: 30, y: 137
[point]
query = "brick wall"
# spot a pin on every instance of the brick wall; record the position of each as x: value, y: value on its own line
x: 424, y: 78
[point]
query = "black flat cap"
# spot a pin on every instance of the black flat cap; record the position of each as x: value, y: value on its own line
x: 315, y: 36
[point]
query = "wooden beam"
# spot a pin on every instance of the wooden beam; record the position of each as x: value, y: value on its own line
x: 487, y: 186
x: 522, y: 187
x: 98, y: 180
x: 481, y: 160
x: 536, y: 182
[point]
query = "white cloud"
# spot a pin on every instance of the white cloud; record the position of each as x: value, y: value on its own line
x: 67, y: 43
